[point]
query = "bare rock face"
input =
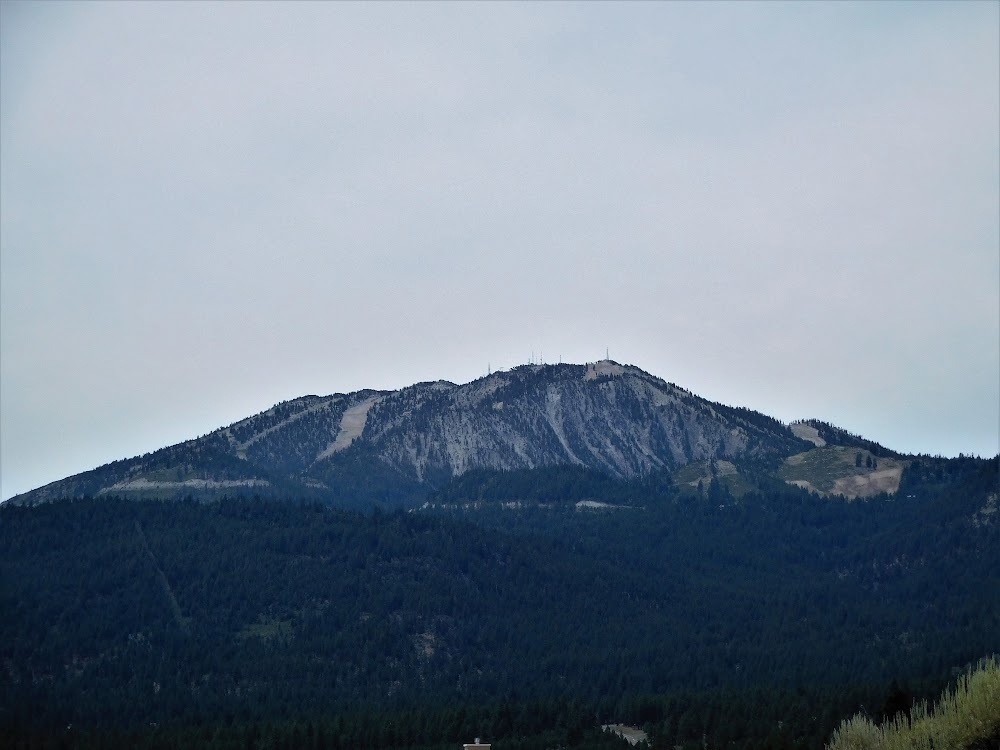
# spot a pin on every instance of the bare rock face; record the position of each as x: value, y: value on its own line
x: 614, y: 418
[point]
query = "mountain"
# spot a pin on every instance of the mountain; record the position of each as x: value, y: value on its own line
x: 581, y: 545
x: 395, y: 447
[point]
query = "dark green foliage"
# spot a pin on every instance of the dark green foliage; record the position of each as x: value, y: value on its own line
x: 898, y: 700
x: 555, y: 484
x: 764, y: 431
x: 755, y: 622
x: 355, y: 479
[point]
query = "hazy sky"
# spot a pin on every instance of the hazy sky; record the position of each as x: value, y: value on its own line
x: 209, y: 208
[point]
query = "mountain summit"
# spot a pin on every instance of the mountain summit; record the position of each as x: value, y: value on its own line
x: 398, y: 446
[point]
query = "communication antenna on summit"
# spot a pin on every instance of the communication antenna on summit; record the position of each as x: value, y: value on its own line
x: 606, y: 355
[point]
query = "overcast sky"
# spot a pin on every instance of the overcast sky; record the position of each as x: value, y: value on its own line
x: 210, y: 208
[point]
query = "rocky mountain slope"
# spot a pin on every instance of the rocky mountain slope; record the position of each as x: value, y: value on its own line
x: 397, y: 446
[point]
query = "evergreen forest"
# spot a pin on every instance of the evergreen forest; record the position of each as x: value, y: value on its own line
x: 527, y: 608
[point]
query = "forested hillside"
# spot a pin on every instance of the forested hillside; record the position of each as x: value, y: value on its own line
x: 526, y: 607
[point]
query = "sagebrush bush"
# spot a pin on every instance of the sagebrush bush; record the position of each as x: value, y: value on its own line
x: 966, y: 717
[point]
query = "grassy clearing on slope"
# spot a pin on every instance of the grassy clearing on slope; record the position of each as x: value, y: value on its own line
x: 687, y: 477
x: 964, y: 718
x: 267, y: 629
x: 833, y: 470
